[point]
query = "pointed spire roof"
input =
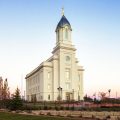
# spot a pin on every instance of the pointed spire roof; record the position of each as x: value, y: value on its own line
x: 63, y: 22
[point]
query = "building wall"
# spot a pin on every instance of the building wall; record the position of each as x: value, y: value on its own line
x: 60, y: 75
x: 34, y: 86
x: 47, y: 91
x: 70, y: 85
x: 45, y: 82
x: 55, y: 79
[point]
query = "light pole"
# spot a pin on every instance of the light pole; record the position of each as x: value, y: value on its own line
x: 60, y: 93
x: 109, y: 92
x: 78, y: 96
x: 73, y: 99
x: 73, y: 94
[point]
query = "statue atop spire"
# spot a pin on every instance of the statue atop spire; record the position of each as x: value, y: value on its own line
x: 62, y: 11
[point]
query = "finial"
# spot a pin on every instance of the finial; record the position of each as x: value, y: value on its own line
x: 62, y: 11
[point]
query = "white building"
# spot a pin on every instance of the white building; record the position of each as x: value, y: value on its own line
x: 59, y: 77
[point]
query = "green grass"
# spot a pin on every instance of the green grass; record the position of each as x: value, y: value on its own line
x: 13, y: 116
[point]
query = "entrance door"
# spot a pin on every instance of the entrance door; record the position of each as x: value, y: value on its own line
x: 69, y: 96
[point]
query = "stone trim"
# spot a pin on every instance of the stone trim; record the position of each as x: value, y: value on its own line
x: 36, y: 70
x: 62, y: 47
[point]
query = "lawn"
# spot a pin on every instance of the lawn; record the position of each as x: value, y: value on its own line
x: 13, y: 116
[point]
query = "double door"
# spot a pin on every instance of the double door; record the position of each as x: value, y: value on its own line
x: 69, y: 96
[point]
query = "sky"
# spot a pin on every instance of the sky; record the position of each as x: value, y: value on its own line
x: 27, y: 37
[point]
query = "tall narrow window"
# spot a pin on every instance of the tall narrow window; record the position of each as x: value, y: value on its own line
x: 66, y: 33
x: 67, y: 86
x: 48, y: 75
x: 67, y: 74
x: 79, y: 78
x: 48, y: 86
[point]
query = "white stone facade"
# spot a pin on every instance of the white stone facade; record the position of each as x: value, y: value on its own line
x: 59, y: 77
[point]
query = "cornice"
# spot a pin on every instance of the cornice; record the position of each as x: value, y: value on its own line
x: 36, y: 70
x: 81, y: 69
x: 63, y: 47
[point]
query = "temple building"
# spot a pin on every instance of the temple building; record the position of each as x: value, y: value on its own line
x: 59, y: 77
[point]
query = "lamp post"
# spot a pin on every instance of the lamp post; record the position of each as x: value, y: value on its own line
x: 60, y: 93
x: 109, y: 92
x: 73, y: 94
x: 73, y: 99
x: 78, y: 93
x: 78, y: 96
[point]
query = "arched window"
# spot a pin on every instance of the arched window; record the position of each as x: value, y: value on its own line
x: 66, y: 33
x: 79, y: 78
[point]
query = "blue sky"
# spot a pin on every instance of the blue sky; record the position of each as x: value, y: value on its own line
x: 27, y: 37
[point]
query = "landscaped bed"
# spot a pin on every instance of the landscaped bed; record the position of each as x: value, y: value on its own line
x: 15, y: 116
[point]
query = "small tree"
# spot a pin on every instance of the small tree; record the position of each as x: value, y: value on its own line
x: 102, y: 95
x: 16, y: 102
x: 88, y: 99
x: 4, y: 93
x: 5, y: 90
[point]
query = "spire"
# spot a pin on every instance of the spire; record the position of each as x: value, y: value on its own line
x: 63, y: 22
x: 62, y: 11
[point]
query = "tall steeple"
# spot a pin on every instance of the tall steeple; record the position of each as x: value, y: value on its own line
x: 63, y: 30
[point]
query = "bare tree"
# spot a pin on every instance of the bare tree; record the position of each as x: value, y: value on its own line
x: 4, y: 89
x: 102, y: 95
x: 1, y: 87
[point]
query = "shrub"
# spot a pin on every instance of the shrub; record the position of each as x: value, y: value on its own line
x: 93, y: 116
x: 61, y: 108
x: 72, y: 108
x: 118, y: 118
x: 57, y: 108
x: 108, y: 117
x: 67, y: 108
x: 49, y: 113
x: 80, y: 116
x: 69, y: 115
x: 58, y: 114
x: 40, y: 108
x: 29, y: 111
x: 16, y: 103
x: 49, y: 108
x: 40, y: 113
x: 45, y: 108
